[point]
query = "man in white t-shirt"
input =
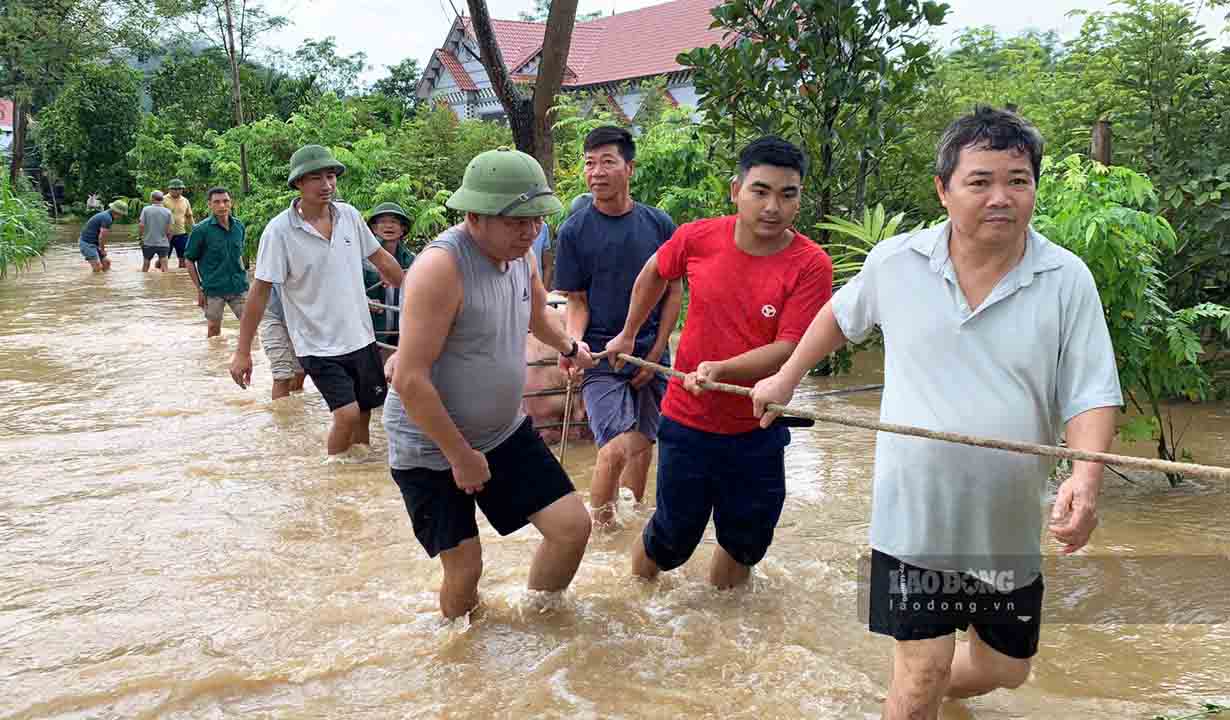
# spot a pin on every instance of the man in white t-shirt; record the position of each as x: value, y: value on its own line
x: 315, y: 249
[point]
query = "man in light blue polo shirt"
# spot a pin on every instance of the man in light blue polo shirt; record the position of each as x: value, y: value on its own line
x: 992, y: 330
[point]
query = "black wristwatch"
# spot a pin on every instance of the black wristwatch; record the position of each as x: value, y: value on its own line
x: 572, y: 352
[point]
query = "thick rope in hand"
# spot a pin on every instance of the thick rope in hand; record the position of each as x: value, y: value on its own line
x: 563, y: 448
x: 1207, y: 472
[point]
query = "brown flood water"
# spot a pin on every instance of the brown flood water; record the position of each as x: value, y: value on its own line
x: 176, y: 548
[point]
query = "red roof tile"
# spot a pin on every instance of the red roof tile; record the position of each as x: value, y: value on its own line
x: 629, y: 45
x: 456, y: 69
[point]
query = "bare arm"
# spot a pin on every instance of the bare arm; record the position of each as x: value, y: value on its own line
x: 1074, y: 515
x: 196, y: 276
x: 576, y: 313
x: 755, y: 364
x: 253, y: 311
x: 102, y: 238
x: 434, y: 281
x: 670, y: 317
x: 646, y: 293
x: 387, y: 265
x: 823, y: 337
x: 540, y: 323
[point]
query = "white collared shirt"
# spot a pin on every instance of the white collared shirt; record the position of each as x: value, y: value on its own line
x: 1035, y: 354
x: 323, y: 295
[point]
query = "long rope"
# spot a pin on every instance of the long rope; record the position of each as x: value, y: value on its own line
x: 1207, y: 472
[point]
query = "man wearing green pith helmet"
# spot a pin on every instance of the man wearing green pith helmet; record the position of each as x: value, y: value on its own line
x: 457, y: 433
x: 390, y: 224
x: 315, y: 250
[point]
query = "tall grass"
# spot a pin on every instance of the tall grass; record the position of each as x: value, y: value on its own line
x: 25, y: 229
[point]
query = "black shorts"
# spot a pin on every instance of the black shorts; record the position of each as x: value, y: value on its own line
x: 911, y: 603
x: 353, y: 377
x: 525, y: 478
x: 148, y: 252
x: 738, y: 479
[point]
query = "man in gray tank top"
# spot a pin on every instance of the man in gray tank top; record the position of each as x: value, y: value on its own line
x: 457, y: 434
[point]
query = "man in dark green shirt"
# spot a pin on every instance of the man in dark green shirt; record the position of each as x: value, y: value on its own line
x: 215, y: 261
x: 390, y: 223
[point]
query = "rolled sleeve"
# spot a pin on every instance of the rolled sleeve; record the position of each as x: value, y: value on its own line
x: 855, y: 308
x: 1088, y: 376
x: 271, y: 255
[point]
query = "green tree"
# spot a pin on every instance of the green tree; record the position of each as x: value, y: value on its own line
x: 401, y: 83
x: 835, y: 76
x: 1150, y: 69
x: 319, y: 61
x: 90, y: 127
x: 1109, y: 217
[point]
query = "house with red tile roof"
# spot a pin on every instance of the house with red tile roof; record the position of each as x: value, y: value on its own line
x: 6, y: 124
x: 611, y: 56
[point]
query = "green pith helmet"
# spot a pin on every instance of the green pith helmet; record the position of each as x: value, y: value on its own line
x: 310, y: 159
x: 505, y: 182
x: 118, y: 206
x: 389, y: 208
x: 175, y: 184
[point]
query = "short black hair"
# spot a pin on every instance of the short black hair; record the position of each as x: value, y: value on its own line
x: 775, y: 151
x: 612, y: 135
x: 988, y: 129
x: 216, y: 190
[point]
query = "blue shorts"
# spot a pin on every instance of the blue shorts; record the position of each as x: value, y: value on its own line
x: 740, y: 479
x: 179, y: 243
x: 614, y: 408
x: 89, y: 251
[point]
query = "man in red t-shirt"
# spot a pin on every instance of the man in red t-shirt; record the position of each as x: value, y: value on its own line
x: 755, y: 284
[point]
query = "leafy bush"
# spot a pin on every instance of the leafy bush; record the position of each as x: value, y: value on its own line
x: 25, y: 229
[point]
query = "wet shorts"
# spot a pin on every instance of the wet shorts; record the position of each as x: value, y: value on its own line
x: 90, y: 252
x: 275, y: 339
x: 149, y: 251
x: 614, y: 407
x: 216, y: 304
x: 908, y: 602
x: 525, y: 478
x: 179, y: 243
x: 740, y: 479
x: 354, y: 377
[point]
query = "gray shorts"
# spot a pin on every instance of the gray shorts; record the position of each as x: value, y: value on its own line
x: 214, y: 305
x: 615, y: 408
x: 275, y: 339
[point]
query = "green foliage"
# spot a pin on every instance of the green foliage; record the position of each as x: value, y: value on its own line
x: 329, y: 72
x: 25, y: 229
x: 859, y: 239
x: 89, y: 129
x: 401, y: 83
x: 835, y: 76
x: 416, y: 165
x: 1108, y: 216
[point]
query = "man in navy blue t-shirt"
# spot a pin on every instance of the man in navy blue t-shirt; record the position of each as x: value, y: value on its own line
x: 601, y: 249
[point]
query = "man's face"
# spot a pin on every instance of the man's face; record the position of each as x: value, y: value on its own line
x: 607, y: 174
x: 318, y: 186
x: 220, y: 205
x: 767, y: 200
x: 176, y: 192
x: 506, y: 238
x: 990, y: 197
x: 387, y: 228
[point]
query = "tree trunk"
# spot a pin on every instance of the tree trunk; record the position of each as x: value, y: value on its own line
x: 236, y: 96
x: 1099, y: 142
x: 555, y: 45
x: 860, y: 185
x: 20, y: 116
x: 530, y: 120
x: 518, y: 108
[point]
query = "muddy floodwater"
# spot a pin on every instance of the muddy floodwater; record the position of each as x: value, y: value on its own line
x: 175, y: 547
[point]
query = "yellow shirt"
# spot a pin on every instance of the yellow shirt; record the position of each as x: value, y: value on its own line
x: 181, y: 214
